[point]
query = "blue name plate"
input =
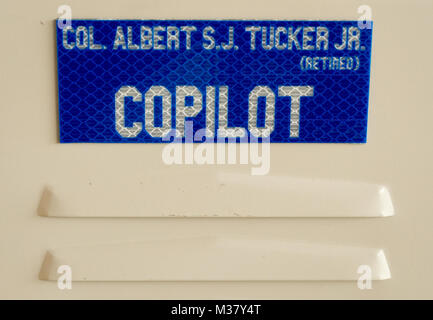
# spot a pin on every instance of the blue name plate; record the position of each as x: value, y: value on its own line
x: 172, y: 80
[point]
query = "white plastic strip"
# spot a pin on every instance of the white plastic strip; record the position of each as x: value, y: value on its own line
x: 217, y: 259
x: 222, y: 195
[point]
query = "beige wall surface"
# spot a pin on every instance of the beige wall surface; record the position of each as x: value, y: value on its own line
x: 398, y: 154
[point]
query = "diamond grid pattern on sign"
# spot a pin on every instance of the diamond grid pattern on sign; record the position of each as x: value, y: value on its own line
x: 89, y: 79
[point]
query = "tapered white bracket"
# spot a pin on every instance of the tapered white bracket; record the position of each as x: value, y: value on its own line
x: 217, y: 259
x: 223, y: 195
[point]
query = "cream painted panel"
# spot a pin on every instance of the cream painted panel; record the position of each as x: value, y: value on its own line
x: 398, y: 155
